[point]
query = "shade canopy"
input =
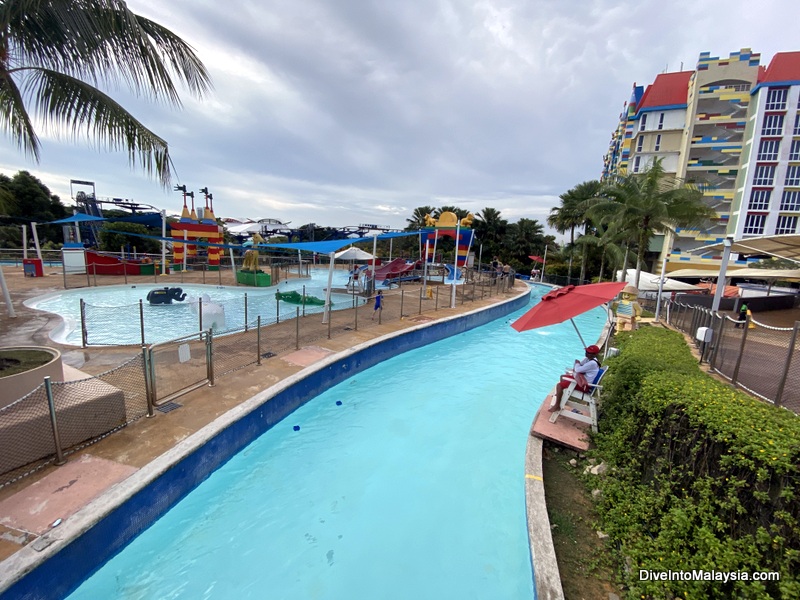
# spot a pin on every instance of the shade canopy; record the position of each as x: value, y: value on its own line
x: 245, y: 228
x: 76, y: 218
x: 780, y: 246
x: 353, y: 254
x: 567, y: 302
x: 649, y: 283
x: 747, y: 273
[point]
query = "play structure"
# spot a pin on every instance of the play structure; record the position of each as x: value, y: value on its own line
x: 449, y: 279
x: 295, y: 297
x: 250, y: 274
x: 103, y: 263
x: 393, y: 269
x: 190, y: 227
x: 448, y: 225
x: 166, y: 295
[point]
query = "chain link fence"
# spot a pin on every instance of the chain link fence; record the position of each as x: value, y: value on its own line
x: 757, y: 357
x: 59, y: 418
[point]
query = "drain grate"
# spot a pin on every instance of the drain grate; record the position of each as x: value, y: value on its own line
x: 268, y: 355
x: 168, y: 407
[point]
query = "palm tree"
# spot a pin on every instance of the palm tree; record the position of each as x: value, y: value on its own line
x: 490, y: 228
x: 417, y: 220
x: 53, y: 54
x: 458, y: 212
x: 571, y: 214
x: 524, y: 237
x: 654, y: 200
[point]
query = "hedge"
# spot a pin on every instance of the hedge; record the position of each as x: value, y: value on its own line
x: 703, y: 477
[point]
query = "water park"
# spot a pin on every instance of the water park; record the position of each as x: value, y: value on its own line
x: 275, y: 337
x: 168, y: 424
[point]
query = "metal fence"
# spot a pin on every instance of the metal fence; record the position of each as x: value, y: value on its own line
x: 752, y: 355
x: 59, y: 418
x: 43, y: 427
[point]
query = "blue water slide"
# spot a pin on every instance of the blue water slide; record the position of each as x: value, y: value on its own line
x: 448, y: 278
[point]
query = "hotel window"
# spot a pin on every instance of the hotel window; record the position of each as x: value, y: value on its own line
x: 636, y: 163
x: 768, y: 150
x: 773, y: 125
x: 759, y: 199
x: 639, y: 143
x: 790, y: 200
x: 643, y: 122
x: 793, y: 176
x: 661, y: 121
x: 776, y: 99
x: 754, y: 224
x: 658, y: 143
x: 764, y: 175
x: 796, y: 125
x: 794, y: 151
x: 786, y: 224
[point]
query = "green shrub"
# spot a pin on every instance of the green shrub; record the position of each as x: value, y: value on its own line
x: 704, y: 477
x: 645, y: 351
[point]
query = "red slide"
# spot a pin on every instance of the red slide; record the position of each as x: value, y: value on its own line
x: 389, y: 268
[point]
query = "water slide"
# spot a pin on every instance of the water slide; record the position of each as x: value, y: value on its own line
x: 448, y: 278
x: 391, y: 269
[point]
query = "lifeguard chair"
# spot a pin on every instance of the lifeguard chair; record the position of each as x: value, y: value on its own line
x: 581, y: 406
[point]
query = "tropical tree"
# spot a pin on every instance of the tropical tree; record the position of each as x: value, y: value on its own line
x: 572, y: 212
x: 523, y: 238
x: 55, y: 53
x: 417, y: 220
x: 647, y: 202
x: 490, y: 228
x: 112, y: 237
x: 459, y: 212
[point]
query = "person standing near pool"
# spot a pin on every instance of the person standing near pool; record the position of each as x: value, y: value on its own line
x: 378, y: 304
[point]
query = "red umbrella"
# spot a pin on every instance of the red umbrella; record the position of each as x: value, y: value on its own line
x: 536, y: 258
x: 567, y: 302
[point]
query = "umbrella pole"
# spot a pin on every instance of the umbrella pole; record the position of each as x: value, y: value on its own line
x: 578, y: 332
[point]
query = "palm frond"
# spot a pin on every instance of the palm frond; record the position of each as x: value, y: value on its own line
x: 102, y: 41
x: 62, y: 100
x: 15, y: 119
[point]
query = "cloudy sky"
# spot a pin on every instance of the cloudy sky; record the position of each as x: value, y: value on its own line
x: 346, y: 112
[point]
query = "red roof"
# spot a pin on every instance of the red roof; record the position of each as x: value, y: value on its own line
x: 784, y: 66
x: 669, y: 89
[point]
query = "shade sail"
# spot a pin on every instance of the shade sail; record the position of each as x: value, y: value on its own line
x: 782, y: 246
x: 747, y: 273
x: 353, y: 254
x: 649, y: 282
x: 245, y: 228
x: 567, y: 302
x: 76, y: 218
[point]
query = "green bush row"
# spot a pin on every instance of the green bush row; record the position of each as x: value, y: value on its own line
x: 703, y: 477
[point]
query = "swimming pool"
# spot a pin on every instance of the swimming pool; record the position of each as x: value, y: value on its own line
x: 412, y: 487
x: 165, y: 322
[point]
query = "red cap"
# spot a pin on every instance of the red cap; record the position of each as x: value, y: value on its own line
x: 592, y: 349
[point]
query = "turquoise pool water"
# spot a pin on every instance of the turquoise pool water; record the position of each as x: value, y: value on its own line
x: 412, y: 487
x: 167, y: 322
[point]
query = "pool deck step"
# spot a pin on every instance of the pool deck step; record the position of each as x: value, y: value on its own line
x: 565, y: 432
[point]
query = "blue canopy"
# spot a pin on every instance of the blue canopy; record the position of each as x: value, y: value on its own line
x: 327, y: 246
x: 76, y: 218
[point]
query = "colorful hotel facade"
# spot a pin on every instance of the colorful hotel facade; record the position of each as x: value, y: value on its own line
x: 731, y: 127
